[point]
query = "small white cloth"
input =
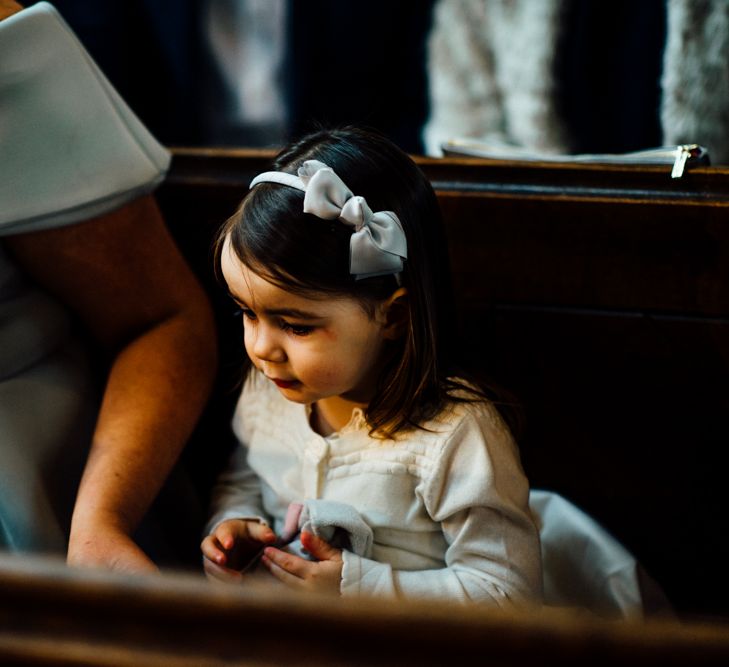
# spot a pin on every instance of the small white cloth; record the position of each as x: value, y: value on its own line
x: 338, y: 524
x: 70, y: 148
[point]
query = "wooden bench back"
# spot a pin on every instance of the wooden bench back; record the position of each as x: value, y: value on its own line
x: 54, y: 616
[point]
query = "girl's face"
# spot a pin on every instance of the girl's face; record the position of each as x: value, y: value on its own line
x: 310, y: 349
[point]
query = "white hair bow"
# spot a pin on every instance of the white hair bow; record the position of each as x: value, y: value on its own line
x: 378, y: 246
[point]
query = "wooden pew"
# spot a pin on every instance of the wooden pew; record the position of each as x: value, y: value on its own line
x: 54, y: 616
x: 599, y: 295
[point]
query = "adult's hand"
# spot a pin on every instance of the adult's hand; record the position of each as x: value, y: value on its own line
x: 107, y: 547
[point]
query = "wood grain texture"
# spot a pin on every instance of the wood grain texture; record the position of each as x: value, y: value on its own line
x: 50, y: 615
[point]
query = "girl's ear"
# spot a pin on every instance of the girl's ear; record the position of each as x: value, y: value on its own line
x: 395, y: 313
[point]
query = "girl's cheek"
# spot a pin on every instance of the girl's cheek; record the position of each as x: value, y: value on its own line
x: 248, y: 344
x: 325, y: 374
x: 249, y: 334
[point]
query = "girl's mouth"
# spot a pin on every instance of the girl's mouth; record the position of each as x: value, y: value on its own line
x: 285, y: 384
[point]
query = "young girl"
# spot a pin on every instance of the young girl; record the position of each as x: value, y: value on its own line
x: 337, y: 259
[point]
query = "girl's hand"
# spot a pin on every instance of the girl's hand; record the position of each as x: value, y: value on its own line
x: 231, y: 546
x: 322, y: 576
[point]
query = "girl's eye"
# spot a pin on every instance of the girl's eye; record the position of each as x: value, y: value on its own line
x: 247, y: 314
x: 297, y: 329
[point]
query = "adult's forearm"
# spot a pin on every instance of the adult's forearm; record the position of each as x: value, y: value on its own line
x: 156, y: 389
x: 8, y: 8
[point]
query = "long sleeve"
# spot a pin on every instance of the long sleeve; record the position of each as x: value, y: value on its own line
x: 237, y: 493
x: 479, y: 495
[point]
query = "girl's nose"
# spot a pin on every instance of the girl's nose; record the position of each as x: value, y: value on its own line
x: 266, y: 347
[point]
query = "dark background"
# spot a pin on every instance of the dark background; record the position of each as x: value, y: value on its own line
x: 364, y: 62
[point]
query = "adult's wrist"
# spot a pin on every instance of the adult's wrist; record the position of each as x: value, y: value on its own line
x: 94, y: 520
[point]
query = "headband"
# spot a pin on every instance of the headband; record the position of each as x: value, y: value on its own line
x: 377, y: 247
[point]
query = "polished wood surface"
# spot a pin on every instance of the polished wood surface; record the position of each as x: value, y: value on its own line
x: 53, y: 616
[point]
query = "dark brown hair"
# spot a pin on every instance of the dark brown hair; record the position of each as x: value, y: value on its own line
x: 304, y: 254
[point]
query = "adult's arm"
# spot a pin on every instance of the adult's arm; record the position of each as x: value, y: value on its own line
x: 123, y: 276
x: 8, y: 7
x: 78, y: 163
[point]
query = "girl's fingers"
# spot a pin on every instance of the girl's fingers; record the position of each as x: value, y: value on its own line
x: 280, y: 573
x: 293, y: 565
x: 228, y: 531
x: 231, y: 532
x: 216, y: 572
x: 260, y: 532
x: 318, y: 548
x: 212, y: 550
x: 324, y: 576
x: 234, y: 542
